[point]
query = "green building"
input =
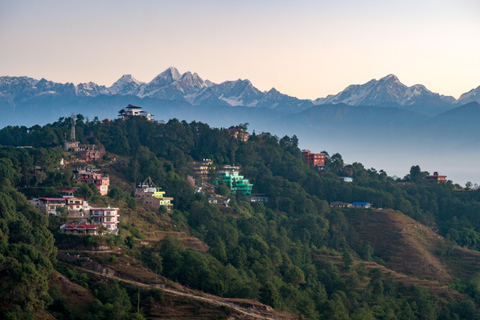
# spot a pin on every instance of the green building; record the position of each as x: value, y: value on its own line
x: 235, y: 182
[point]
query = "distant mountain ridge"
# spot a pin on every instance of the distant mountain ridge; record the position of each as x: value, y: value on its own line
x: 191, y: 88
x: 387, y: 89
x: 168, y: 85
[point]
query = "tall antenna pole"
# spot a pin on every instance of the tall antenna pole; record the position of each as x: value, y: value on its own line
x: 73, y: 121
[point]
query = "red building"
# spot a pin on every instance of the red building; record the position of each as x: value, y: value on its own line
x: 435, y: 178
x: 101, y: 181
x: 81, y: 228
x: 317, y: 159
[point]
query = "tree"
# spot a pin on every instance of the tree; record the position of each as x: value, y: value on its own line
x: 62, y: 212
x: 157, y: 262
x: 223, y: 190
x: 130, y: 242
x: 336, y: 161
x: 295, y: 276
x: 269, y: 295
x: 162, y: 210
x: 347, y: 259
x: 362, y: 313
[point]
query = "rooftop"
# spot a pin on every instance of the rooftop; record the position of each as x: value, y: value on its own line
x: 133, y: 107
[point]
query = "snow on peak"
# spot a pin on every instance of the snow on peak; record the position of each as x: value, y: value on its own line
x: 390, y: 77
x: 172, y: 72
x: 125, y: 85
x: 387, y: 89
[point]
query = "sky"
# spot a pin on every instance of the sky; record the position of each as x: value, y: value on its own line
x: 307, y: 49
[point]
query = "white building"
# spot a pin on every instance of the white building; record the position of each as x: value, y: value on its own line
x: 106, y: 217
x: 131, y: 111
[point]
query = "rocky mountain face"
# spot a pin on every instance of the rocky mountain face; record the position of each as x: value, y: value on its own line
x: 470, y: 96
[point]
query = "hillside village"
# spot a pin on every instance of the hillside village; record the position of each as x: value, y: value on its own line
x: 84, y: 219
x: 252, y: 214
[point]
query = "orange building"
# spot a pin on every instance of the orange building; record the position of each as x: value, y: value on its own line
x: 239, y: 133
x: 317, y: 159
x: 435, y: 178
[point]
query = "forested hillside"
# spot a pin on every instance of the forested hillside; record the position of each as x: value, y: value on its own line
x: 294, y: 253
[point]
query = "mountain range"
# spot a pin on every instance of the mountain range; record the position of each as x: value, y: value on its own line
x: 190, y: 88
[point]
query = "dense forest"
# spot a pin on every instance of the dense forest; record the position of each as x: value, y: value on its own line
x: 270, y: 252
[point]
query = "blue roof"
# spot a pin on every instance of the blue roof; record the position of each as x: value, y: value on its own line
x: 362, y: 203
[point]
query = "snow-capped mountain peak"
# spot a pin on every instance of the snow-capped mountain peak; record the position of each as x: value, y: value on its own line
x: 126, y: 85
x: 389, y: 78
x: 170, y: 73
x: 387, y: 89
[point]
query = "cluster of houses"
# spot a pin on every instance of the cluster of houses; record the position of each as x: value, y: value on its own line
x: 79, y: 209
x: 107, y: 219
x: 88, y: 152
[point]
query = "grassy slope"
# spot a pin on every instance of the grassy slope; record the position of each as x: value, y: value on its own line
x: 412, y: 251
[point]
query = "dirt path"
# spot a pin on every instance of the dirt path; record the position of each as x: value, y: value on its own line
x: 189, y: 295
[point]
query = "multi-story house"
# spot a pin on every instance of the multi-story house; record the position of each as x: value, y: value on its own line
x: 203, y: 168
x: 152, y: 196
x: 235, y: 182
x: 132, y: 111
x: 317, y: 159
x: 106, y: 217
x: 435, y: 178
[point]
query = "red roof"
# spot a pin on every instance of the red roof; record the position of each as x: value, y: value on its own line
x: 81, y: 226
x: 53, y: 199
x: 68, y: 190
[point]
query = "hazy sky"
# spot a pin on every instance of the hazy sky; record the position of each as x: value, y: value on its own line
x: 306, y: 49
